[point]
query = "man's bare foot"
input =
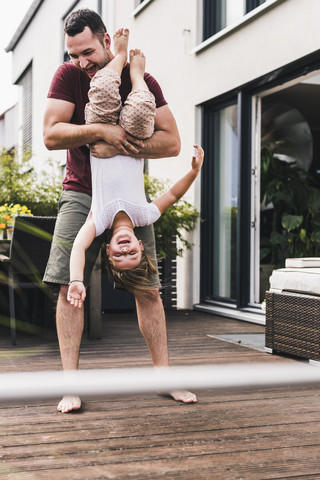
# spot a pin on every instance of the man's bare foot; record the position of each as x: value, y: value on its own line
x: 184, y: 396
x: 137, y: 69
x: 69, y: 403
x: 181, y: 396
x: 120, y: 42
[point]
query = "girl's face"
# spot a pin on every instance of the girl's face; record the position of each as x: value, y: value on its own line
x: 125, y: 250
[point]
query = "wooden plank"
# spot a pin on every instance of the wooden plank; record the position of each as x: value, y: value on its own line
x: 253, y: 434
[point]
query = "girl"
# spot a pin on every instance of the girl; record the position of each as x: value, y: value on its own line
x: 118, y: 200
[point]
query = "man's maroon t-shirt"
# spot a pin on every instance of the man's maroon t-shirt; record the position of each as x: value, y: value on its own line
x: 72, y: 85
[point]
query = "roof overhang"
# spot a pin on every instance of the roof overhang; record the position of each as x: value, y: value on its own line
x: 34, y: 7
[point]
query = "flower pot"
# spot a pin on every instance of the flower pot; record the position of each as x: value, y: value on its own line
x: 10, y: 224
x: 9, y: 232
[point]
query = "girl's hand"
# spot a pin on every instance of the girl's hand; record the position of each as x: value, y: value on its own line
x: 197, y: 161
x: 76, y: 294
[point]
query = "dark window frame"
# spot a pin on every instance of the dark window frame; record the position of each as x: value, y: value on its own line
x: 252, y: 4
x: 243, y: 95
x: 211, y: 18
x: 207, y: 198
x: 212, y: 15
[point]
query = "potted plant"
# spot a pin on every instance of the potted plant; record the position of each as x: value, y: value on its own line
x: 291, y: 200
x: 4, y: 217
x: 7, y: 214
x: 170, y: 231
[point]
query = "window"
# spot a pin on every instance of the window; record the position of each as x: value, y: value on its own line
x: 220, y: 206
x: 252, y: 4
x: 244, y: 236
x: 219, y: 14
x: 26, y: 83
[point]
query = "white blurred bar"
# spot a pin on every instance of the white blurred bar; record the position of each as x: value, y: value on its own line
x: 85, y: 383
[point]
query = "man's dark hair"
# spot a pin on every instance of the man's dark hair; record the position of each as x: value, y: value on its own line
x: 78, y: 20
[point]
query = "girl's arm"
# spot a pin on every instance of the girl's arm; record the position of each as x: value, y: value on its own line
x: 182, y: 185
x: 77, y: 290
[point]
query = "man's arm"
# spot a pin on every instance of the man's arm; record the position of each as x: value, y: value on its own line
x: 59, y: 133
x: 165, y: 142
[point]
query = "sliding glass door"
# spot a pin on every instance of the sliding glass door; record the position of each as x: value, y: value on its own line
x: 221, y: 174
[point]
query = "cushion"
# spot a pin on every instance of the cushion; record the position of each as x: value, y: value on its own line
x: 305, y: 280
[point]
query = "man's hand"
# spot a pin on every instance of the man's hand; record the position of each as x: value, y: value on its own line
x: 118, y: 138
x: 115, y: 141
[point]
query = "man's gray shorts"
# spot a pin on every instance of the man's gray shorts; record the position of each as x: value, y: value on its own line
x: 74, y: 208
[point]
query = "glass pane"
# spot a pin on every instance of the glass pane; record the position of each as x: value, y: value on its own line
x: 225, y: 202
x: 252, y: 4
x: 234, y: 11
x: 219, y: 14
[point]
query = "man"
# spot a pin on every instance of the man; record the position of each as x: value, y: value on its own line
x: 88, y: 46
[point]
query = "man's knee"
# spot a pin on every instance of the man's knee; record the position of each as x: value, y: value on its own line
x: 63, y: 291
x: 148, y: 296
x: 62, y: 300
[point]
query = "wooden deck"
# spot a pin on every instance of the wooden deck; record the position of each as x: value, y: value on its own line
x: 255, y: 434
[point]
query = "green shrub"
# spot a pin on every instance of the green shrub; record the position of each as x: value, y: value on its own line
x: 294, y: 194
x: 22, y: 184
x: 179, y: 218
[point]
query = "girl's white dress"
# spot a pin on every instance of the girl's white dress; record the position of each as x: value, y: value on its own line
x: 118, y: 185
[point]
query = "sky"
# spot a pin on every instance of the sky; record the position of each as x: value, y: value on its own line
x: 11, y: 13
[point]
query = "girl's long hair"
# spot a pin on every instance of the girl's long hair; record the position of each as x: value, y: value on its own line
x: 135, y: 280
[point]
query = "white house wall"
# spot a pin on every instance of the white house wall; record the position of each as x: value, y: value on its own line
x: 168, y: 31
x: 43, y: 44
x: 8, y: 130
x: 284, y: 33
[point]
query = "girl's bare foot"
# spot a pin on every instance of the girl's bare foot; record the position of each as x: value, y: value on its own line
x: 120, y: 42
x: 137, y: 69
x: 69, y: 403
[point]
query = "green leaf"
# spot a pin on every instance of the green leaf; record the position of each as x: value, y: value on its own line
x: 315, y: 237
x: 314, y: 201
x: 291, y: 222
x: 303, y: 235
x: 277, y: 239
